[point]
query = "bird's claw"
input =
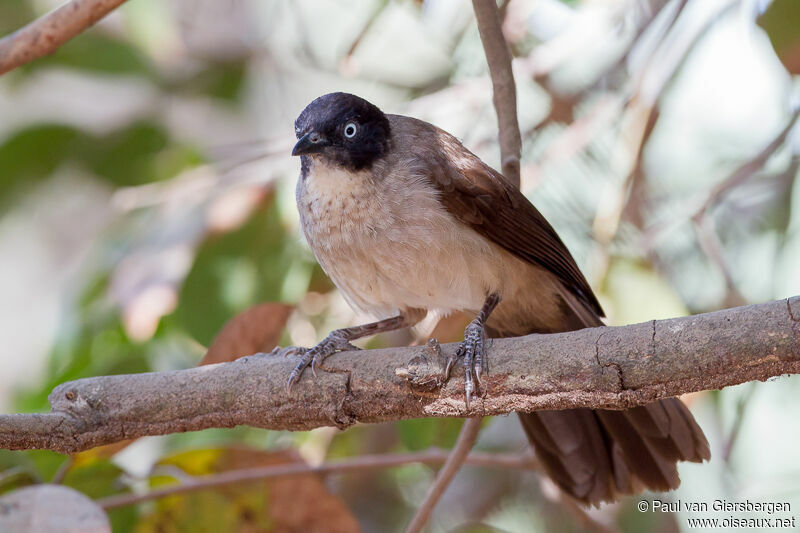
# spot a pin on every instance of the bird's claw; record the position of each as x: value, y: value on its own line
x: 334, y: 342
x: 472, y: 350
x: 288, y: 351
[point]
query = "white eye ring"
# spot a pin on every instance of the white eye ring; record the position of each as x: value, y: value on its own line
x: 350, y: 130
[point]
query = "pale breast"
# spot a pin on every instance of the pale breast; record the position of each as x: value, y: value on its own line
x: 391, y: 245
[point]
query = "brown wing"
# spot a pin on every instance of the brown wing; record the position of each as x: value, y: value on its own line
x: 481, y: 197
x: 594, y: 455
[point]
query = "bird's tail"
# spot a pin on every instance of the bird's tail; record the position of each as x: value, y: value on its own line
x: 596, y: 455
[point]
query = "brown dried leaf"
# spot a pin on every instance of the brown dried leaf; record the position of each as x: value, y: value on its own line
x: 257, y: 329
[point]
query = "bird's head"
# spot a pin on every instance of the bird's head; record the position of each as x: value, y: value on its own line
x: 343, y: 130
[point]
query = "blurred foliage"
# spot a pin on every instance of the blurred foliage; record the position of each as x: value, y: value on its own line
x: 139, y: 153
x: 89, y: 473
x: 14, y: 14
x: 236, y: 270
x: 96, y: 53
x: 428, y: 432
x: 146, y: 198
x: 780, y: 22
x: 299, y: 503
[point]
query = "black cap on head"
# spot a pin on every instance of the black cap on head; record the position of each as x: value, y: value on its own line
x: 342, y: 129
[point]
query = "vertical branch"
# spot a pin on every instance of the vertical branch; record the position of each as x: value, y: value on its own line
x: 712, y: 247
x: 466, y: 439
x: 504, y: 89
x: 504, y: 96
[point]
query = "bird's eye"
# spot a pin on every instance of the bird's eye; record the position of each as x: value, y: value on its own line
x: 350, y: 130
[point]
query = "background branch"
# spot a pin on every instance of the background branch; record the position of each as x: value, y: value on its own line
x: 44, y: 35
x: 504, y: 90
x: 748, y: 169
x: 614, y: 367
x: 356, y: 464
x: 466, y: 439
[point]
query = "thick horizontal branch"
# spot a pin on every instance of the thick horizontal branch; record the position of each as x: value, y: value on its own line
x: 610, y: 367
x: 44, y: 35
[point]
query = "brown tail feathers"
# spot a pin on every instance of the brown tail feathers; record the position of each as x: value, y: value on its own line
x: 597, y: 455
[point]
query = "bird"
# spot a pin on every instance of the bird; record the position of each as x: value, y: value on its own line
x: 408, y: 222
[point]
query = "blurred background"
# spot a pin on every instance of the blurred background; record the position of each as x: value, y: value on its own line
x: 147, y: 197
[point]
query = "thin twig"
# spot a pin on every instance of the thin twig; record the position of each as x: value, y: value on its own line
x: 357, y: 464
x: 743, y: 172
x: 714, y: 251
x: 373, y: 17
x: 466, y: 439
x: 703, y: 224
x: 741, y: 409
x: 504, y: 89
x: 504, y: 96
x: 638, y: 122
x: 63, y: 468
x: 749, y: 168
x: 44, y: 35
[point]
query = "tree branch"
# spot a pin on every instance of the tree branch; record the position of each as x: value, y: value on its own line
x: 356, y: 464
x: 44, y: 35
x: 466, y: 439
x: 746, y: 170
x: 504, y: 95
x: 609, y: 367
x: 504, y: 89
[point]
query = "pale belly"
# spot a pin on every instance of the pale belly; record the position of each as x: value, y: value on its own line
x: 383, y: 277
x: 396, y: 247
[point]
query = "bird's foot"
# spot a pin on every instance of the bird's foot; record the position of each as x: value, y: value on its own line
x: 287, y: 351
x: 473, y: 351
x: 336, y: 341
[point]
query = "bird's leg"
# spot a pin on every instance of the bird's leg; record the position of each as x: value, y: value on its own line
x: 338, y: 340
x: 473, y: 348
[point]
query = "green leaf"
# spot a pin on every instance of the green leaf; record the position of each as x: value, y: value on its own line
x: 22, y: 468
x: 32, y: 154
x: 97, y: 52
x: 222, y: 80
x: 426, y: 432
x: 97, y: 346
x: 14, y: 14
x: 140, y: 153
x: 234, y: 271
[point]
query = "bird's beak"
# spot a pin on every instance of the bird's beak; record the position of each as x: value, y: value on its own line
x: 310, y: 143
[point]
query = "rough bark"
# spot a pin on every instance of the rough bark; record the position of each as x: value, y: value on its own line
x: 609, y: 367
